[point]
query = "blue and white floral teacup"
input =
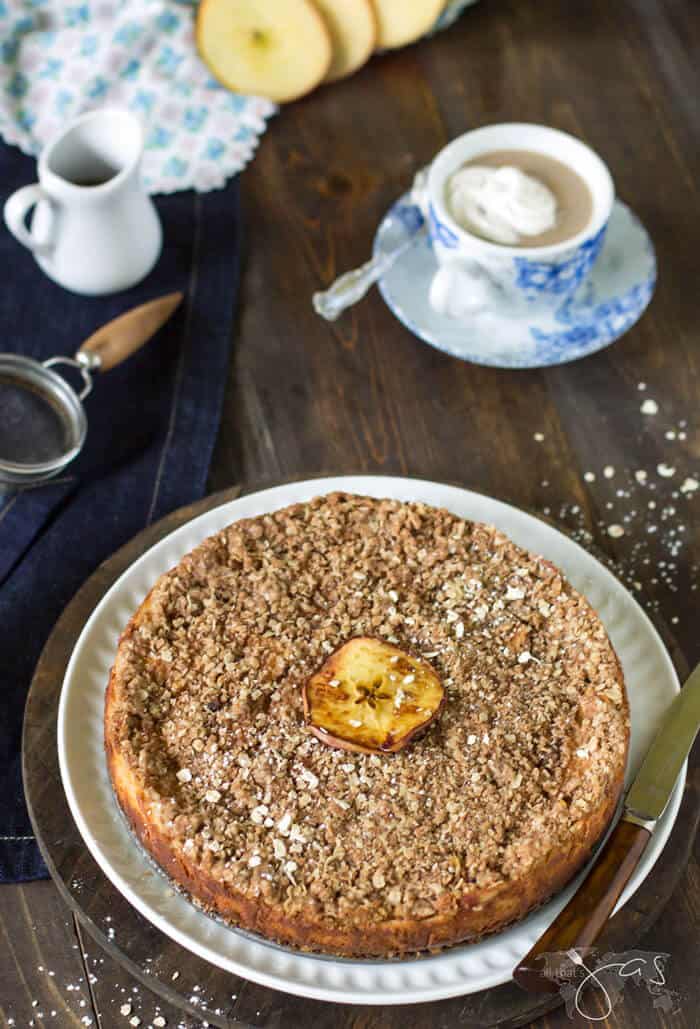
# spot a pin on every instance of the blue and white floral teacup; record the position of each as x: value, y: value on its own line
x: 474, y: 273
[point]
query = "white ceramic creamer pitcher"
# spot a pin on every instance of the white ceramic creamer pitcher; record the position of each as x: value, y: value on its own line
x: 94, y: 229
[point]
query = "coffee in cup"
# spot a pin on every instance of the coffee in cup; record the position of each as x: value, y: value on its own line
x: 528, y: 229
x: 519, y: 198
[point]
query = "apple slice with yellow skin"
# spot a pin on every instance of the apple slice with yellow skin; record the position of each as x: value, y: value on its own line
x: 371, y: 697
x: 353, y: 28
x: 403, y: 21
x: 279, y: 49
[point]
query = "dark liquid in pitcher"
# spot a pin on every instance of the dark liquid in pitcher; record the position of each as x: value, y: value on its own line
x: 92, y: 180
x: 96, y: 173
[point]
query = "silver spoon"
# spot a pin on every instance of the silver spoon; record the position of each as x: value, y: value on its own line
x: 353, y: 285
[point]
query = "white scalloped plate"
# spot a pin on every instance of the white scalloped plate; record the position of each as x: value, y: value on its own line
x: 651, y: 681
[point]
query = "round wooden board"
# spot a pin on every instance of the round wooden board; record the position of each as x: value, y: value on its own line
x: 193, y: 985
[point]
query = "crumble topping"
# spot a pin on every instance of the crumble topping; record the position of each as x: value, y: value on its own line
x: 532, y: 734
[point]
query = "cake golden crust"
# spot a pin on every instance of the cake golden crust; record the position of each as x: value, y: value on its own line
x: 463, y: 832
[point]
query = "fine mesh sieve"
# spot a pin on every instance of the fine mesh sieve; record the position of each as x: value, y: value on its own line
x: 42, y: 418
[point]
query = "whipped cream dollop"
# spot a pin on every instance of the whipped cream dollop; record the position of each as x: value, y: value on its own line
x: 504, y: 205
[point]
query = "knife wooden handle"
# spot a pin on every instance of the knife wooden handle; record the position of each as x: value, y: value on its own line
x: 583, y: 918
x: 121, y: 337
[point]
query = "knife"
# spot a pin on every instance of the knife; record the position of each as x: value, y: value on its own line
x: 582, y: 920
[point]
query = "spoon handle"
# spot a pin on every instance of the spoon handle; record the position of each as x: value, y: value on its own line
x: 121, y: 337
x: 353, y: 285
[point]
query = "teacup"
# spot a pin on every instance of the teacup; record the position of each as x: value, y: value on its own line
x: 474, y: 273
x: 94, y: 229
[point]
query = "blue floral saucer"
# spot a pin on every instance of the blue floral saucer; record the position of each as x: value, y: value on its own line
x: 605, y: 306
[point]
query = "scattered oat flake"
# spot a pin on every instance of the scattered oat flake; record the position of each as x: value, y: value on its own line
x: 641, y: 476
x: 649, y: 407
x: 125, y: 1010
x: 690, y: 485
x: 589, y: 476
x: 666, y: 470
x: 159, y: 1022
x: 538, y: 437
x: 608, y: 471
x: 641, y: 385
x: 258, y: 813
x: 308, y: 776
x: 284, y: 823
x: 135, y: 1020
x: 459, y: 630
x: 615, y: 531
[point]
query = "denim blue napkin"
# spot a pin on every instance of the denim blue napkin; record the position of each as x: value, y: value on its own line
x: 152, y: 424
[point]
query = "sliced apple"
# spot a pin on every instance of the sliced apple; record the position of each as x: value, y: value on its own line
x: 353, y: 28
x: 279, y: 49
x: 403, y: 21
x: 371, y: 697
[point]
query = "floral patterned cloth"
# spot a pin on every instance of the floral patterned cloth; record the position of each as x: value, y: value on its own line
x: 59, y: 58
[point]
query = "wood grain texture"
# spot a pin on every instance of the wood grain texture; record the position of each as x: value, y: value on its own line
x: 581, y: 922
x: 182, y: 980
x: 363, y: 394
x: 41, y: 959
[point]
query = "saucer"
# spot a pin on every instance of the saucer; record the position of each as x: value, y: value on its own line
x: 603, y: 308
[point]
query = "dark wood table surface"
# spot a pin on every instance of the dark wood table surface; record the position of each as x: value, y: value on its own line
x: 365, y: 395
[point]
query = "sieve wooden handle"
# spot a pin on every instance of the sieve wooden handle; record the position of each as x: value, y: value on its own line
x: 120, y: 338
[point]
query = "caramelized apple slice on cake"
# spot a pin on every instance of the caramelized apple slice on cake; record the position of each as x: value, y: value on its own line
x: 371, y: 697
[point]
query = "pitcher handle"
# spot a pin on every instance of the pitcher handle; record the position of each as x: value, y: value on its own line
x: 15, y: 211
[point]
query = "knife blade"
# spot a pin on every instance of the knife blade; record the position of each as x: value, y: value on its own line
x: 580, y: 923
x: 656, y: 778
